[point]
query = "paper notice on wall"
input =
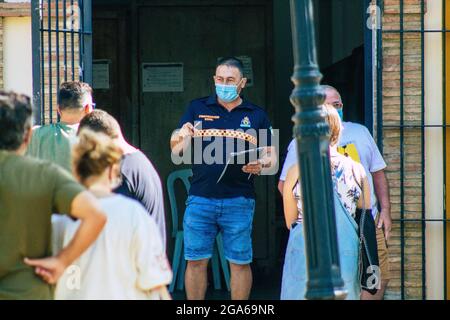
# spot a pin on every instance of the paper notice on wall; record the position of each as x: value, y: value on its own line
x: 162, y: 77
x: 100, y: 74
x: 248, y: 69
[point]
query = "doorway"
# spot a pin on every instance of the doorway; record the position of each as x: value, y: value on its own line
x: 189, y: 37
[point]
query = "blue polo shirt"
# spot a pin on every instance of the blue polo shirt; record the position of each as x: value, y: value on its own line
x: 222, y: 132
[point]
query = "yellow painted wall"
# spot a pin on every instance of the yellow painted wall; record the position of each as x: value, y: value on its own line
x: 447, y: 130
x: 434, y: 166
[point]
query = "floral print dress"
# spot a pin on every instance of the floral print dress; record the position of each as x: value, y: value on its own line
x: 346, y: 185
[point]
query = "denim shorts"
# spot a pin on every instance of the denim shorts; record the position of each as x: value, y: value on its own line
x: 205, y: 217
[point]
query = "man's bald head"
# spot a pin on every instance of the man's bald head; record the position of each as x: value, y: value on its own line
x: 332, y: 96
x: 101, y: 121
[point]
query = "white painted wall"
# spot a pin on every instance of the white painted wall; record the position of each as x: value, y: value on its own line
x: 434, y: 180
x: 17, y: 55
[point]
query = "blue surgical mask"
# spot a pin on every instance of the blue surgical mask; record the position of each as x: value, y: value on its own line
x: 227, y: 93
x: 341, y: 114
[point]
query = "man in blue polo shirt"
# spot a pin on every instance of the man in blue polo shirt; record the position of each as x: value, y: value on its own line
x: 222, y: 201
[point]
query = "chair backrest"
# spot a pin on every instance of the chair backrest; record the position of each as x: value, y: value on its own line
x: 184, y: 176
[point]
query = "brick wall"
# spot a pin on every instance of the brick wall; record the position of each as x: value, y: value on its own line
x: 68, y: 63
x: 23, y: 9
x: 412, y: 147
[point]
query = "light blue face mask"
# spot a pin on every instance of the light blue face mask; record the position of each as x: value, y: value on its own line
x: 226, y: 92
x: 341, y: 114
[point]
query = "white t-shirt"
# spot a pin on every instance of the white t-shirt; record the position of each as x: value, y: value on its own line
x: 357, y: 141
x: 125, y: 262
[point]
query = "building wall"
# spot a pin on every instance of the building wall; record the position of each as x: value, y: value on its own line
x: 403, y: 148
x: 15, y: 73
x: 410, y: 205
x: 434, y: 166
x: 15, y: 46
x: 57, y: 65
x: 1, y: 53
x: 17, y: 55
x: 16, y: 51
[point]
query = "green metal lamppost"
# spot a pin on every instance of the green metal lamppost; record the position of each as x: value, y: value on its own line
x: 310, y: 130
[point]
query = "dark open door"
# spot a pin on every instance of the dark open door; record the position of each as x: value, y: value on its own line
x: 194, y: 35
x: 111, y: 64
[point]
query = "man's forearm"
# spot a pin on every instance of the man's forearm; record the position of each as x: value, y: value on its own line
x: 381, y: 186
x: 179, y: 144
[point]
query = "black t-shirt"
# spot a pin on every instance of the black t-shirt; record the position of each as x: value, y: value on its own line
x: 142, y: 182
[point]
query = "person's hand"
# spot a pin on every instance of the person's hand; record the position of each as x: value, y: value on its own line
x: 187, y: 130
x: 49, y: 269
x: 386, y: 221
x: 253, y: 167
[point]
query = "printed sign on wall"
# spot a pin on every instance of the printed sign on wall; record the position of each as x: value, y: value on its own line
x: 100, y: 74
x: 162, y: 77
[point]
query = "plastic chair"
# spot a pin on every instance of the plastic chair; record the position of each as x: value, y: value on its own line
x: 178, y: 261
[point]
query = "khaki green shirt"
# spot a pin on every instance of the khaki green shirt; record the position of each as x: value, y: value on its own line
x: 30, y: 191
x: 53, y: 143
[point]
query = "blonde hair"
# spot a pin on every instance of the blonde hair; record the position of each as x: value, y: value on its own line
x: 334, y: 122
x: 93, y: 154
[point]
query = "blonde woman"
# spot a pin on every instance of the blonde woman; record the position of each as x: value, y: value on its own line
x: 349, y: 179
x: 127, y: 261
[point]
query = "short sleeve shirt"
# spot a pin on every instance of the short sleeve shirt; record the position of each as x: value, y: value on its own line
x: 30, y: 191
x: 125, y: 262
x: 140, y: 181
x: 355, y: 142
x: 53, y: 142
x: 220, y: 133
x: 291, y: 159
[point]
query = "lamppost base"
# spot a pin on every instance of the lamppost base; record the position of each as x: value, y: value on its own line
x: 320, y: 294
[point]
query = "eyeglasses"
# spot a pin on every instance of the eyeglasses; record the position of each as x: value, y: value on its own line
x: 337, y: 104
